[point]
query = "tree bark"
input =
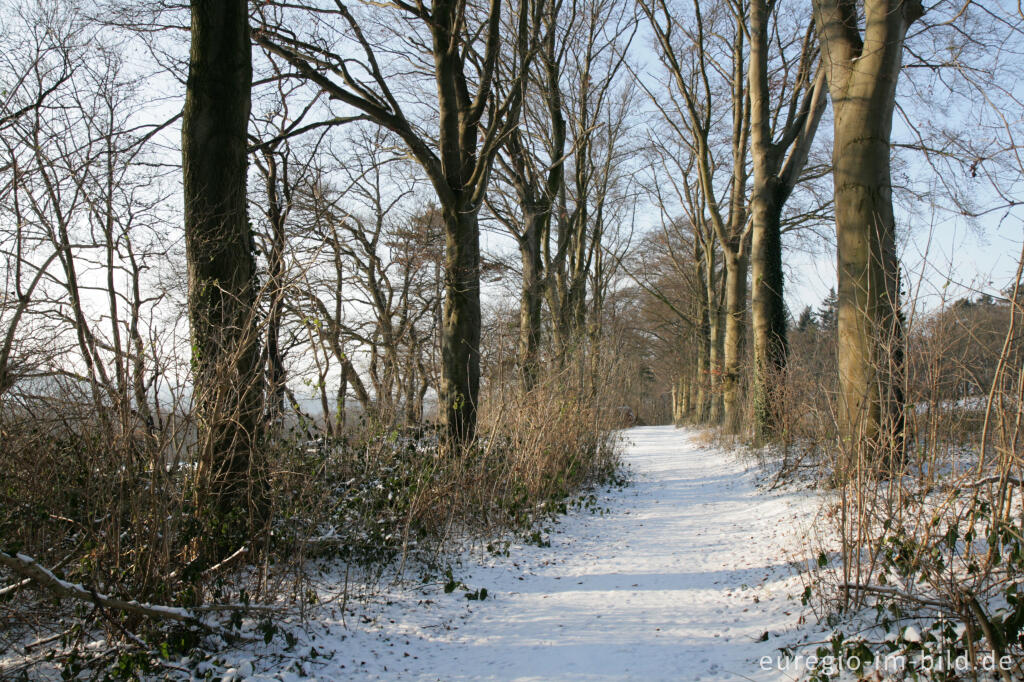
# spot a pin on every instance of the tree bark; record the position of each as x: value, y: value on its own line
x: 684, y: 388
x: 716, y: 339
x: 736, y: 264
x: 681, y: 398
x: 703, y: 388
x: 714, y: 342
x: 702, y: 400
x: 275, y: 371
x: 531, y: 298
x: 775, y: 175
x: 221, y: 266
x: 868, y: 273
x: 460, y: 326
x: 862, y: 75
x: 768, y: 308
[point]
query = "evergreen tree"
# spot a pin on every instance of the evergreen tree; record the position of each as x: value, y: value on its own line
x: 828, y: 313
x: 806, y: 320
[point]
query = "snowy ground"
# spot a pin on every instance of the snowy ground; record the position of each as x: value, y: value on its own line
x: 688, y: 575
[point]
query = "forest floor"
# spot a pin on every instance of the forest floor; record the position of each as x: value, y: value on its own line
x: 688, y: 573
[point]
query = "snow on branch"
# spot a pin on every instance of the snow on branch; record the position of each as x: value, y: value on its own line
x: 30, y: 570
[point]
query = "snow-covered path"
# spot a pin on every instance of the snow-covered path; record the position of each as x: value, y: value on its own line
x: 680, y: 579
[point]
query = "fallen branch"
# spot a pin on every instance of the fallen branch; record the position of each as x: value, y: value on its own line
x: 893, y: 592
x: 994, y: 636
x: 30, y: 569
x: 241, y: 551
x: 15, y: 587
x: 44, y: 640
x: 23, y: 583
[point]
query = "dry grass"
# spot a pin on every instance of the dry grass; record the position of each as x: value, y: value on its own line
x: 934, y: 534
x: 117, y: 515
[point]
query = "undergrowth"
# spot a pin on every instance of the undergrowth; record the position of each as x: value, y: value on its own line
x: 380, y: 501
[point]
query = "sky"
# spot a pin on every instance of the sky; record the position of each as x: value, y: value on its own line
x: 946, y: 263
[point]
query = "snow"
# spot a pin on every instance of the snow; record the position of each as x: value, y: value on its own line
x: 690, y: 573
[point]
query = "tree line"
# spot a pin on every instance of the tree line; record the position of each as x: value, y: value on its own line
x: 398, y: 213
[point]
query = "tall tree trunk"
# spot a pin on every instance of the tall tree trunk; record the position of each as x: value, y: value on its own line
x: 560, y: 341
x: 340, y: 408
x: 275, y: 371
x: 460, y: 327
x: 735, y: 339
x: 702, y: 400
x: 715, y: 337
x: 531, y: 298
x: 775, y: 175
x: 684, y: 389
x: 410, y: 384
x: 221, y: 266
x: 681, y: 397
x: 768, y: 308
x: 868, y: 275
x: 862, y: 75
x: 766, y: 300
x: 694, y: 398
x: 715, y: 369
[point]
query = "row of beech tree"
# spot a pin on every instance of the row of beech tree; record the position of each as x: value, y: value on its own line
x: 743, y: 88
x: 774, y: 104
x: 779, y: 80
x: 343, y: 157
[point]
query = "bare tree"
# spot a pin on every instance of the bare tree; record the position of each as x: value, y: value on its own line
x: 462, y: 43
x: 564, y: 166
x: 705, y: 88
x: 82, y: 201
x: 685, y: 224
x: 365, y: 259
x: 862, y: 67
x: 387, y: 241
x: 221, y: 264
x: 532, y: 162
x: 36, y: 68
x: 596, y: 101
x: 782, y: 129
